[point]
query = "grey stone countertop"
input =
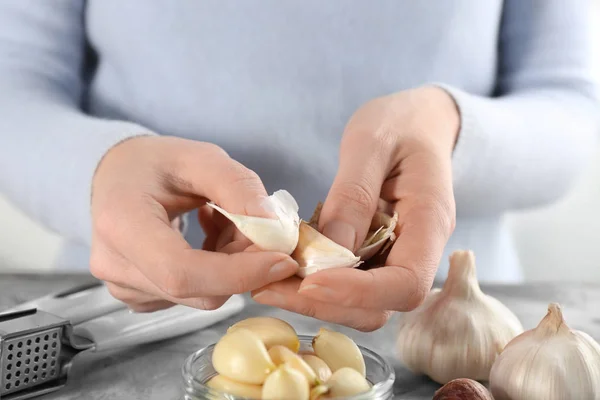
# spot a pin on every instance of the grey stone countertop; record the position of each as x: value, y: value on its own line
x: 154, y: 371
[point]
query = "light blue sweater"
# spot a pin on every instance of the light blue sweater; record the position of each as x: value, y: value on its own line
x: 274, y: 82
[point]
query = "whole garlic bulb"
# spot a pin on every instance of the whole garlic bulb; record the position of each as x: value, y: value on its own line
x: 549, y: 362
x: 458, y: 331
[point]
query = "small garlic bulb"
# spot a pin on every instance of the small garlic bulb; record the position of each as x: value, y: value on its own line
x: 269, y: 234
x: 458, y: 331
x: 549, y: 362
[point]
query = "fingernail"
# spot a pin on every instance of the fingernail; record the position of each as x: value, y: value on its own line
x: 256, y: 208
x: 269, y: 296
x: 282, y: 270
x: 318, y: 290
x: 341, y: 232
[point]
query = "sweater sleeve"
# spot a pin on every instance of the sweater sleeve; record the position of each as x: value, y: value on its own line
x: 525, y: 146
x: 49, y: 148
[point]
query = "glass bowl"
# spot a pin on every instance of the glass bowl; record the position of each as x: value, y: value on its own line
x: 197, y: 370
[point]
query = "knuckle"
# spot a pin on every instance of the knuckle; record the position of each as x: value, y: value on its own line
x: 375, y: 322
x: 105, y: 223
x: 98, y: 265
x: 418, y: 294
x: 309, y: 310
x: 210, y: 303
x: 358, y: 194
x: 174, y: 282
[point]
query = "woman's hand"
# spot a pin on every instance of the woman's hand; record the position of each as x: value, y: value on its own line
x: 396, y: 151
x: 139, y: 189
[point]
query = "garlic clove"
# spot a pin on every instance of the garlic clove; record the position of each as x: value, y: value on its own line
x: 550, y: 362
x: 282, y: 355
x: 319, y: 366
x: 240, y: 355
x: 462, y: 389
x: 272, y: 331
x: 346, y: 382
x: 338, y: 351
x: 458, y: 331
x: 319, y: 392
x: 281, y: 234
x: 231, y: 387
x: 382, y: 232
x: 285, y: 383
x: 316, y: 252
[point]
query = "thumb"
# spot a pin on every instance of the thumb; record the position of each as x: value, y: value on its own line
x: 353, y: 198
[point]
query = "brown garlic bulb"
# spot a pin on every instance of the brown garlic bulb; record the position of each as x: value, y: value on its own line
x: 462, y: 389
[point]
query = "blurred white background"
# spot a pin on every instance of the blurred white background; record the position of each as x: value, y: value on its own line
x: 560, y: 242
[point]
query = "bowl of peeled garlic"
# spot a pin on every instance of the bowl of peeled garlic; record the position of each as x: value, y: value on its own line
x: 263, y: 358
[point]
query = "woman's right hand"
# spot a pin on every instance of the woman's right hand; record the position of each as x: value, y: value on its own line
x: 139, y: 188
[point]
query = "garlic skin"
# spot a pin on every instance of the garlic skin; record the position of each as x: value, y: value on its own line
x: 549, y: 362
x: 282, y: 355
x: 272, y: 331
x: 285, y: 383
x: 319, y: 366
x: 381, y: 233
x: 316, y: 252
x: 226, y: 385
x: 458, y: 331
x: 338, y: 351
x: 241, y: 356
x: 462, y: 389
x: 279, y: 235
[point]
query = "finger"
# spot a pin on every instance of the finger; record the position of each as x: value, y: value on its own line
x: 207, y: 171
x: 169, y: 262
x: 426, y: 223
x: 285, y: 295
x: 114, y: 269
x: 129, y: 295
x: 354, y: 194
x: 151, y: 306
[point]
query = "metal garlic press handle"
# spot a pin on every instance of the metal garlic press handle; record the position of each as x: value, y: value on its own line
x: 122, y: 328
x: 78, y: 304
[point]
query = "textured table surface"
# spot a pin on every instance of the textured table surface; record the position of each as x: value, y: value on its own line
x: 154, y: 371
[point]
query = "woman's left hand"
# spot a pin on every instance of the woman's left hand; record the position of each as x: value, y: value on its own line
x: 396, y: 150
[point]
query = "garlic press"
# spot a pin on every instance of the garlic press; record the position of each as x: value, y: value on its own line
x: 40, y: 339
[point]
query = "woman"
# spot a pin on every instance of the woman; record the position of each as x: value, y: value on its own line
x: 118, y: 119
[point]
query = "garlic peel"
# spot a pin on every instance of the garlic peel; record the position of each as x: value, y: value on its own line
x: 458, y: 331
x: 281, y: 234
x: 316, y: 252
x: 384, y: 226
x: 550, y: 361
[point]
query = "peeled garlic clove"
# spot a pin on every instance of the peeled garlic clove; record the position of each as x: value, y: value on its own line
x: 338, y: 351
x: 319, y: 366
x: 316, y: 252
x: 550, y: 362
x: 383, y: 232
x: 240, y: 355
x: 272, y: 331
x: 346, y: 382
x: 458, y: 331
x: 281, y: 234
x: 226, y: 385
x: 285, y: 383
x: 282, y: 355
